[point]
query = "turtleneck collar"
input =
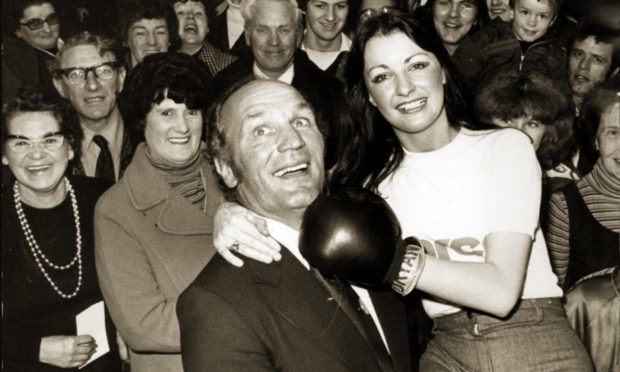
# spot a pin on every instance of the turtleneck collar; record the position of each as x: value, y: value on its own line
x: 603, y: 182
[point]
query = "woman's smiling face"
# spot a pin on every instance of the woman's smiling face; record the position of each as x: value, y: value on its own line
x: 404, y: 82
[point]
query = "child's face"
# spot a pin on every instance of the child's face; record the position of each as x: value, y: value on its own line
x: 526, y: 124
x: 532, y: 19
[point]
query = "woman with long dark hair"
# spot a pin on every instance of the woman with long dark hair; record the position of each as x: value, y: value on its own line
x: 489, y: 287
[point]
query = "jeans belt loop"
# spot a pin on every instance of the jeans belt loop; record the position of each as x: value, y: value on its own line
x: 472, y: 319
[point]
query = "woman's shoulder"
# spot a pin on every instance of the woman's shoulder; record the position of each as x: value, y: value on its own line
x: 501, y: 136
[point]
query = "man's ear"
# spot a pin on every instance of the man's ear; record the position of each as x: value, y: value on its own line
x: 226, y: 172
x: 120, y: 79
x: 60, y: 87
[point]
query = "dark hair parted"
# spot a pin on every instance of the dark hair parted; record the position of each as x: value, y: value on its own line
x: 132, y: 11
x: 172, y: 75
x: 601, y: 34
x: 30, y: 99
x: 513, y: 95
x: 369, y: 150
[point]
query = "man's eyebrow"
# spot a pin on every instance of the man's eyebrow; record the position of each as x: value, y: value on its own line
x: 46, y: 135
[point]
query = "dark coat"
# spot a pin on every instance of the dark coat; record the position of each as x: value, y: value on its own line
x: 324, y: 92
x: 279, y: 316
x: 24, y: 65
x: 495, y: 49
x: 218, y: 36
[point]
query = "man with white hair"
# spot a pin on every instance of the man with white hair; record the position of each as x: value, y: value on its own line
x: 273, y: 32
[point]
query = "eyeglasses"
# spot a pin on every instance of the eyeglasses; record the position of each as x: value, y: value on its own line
x: 373, y: 12
x: 21, y: 145
x: 37, y: 23
x: 77, y: 75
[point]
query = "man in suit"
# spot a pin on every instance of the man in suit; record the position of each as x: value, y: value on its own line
x: 268, y: 151
x: 273, y: 31
x: 88, y: 73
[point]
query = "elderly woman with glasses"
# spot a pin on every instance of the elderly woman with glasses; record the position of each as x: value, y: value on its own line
x: 30, y: 38
x: 48, y: 262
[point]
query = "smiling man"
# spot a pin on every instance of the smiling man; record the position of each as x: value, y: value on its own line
x: 593, y: 57
x: 87, y: 73
x: 273, y: 32
x: 266, y: 146
x: 324, y: 41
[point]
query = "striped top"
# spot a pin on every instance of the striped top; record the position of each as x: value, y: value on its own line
x: 601, y: 193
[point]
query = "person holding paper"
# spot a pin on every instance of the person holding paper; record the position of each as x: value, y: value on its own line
x: 48, y: 265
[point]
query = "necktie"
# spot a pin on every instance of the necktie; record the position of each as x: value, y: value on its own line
x: 105, y: 165
x: 350, y: 303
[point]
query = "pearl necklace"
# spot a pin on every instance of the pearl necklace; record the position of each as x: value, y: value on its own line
x: 39, y: 257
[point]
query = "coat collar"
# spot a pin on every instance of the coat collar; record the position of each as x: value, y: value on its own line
x: 147, y: 189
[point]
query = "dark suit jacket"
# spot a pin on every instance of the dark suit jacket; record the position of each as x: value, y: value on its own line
x: 278, y: 317
x: 323, y: 91
x: 218, y: 36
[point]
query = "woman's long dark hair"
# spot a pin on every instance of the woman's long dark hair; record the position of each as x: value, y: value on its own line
x: 369, y: 150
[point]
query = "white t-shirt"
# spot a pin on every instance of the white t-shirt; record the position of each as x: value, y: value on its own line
x: 481, y: 182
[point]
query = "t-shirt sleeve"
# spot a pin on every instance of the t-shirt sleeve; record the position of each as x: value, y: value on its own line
x: 516, y: 185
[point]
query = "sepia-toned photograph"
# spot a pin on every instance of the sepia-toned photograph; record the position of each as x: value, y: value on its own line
x: 310, y: 186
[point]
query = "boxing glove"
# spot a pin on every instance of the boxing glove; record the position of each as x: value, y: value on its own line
x: 354, y: 235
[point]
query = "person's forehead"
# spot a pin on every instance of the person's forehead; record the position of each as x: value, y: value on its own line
x: 264, y: 99
x: 330, y: 1
x: 610, y: 117
x: 188, y: 5
x: 84, y: 56
x: 274, y: 11
x: 536, y: 5
x: 376, y: 4
x: 148, y: 23
x: 33, y: 124
x: 38, y: 11
x: 591, y: 44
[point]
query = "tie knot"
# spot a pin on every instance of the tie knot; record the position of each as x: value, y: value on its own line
x: 100, y: 141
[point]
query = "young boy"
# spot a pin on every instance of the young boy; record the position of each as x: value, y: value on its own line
x: 520, y: 45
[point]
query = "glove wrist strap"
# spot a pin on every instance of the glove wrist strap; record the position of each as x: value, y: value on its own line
x: 410, y: 269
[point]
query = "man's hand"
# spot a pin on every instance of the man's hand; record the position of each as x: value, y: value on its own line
x: 236, y: 226
x: 67, y: 351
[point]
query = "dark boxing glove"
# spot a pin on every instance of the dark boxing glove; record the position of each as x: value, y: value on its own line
x: 354, y: 235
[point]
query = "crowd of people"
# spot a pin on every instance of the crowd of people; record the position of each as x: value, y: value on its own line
x: 341, y: 185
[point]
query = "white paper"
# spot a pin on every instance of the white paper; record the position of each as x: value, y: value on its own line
x: 92, y: 322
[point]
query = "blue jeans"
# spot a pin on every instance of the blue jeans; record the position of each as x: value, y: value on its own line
x: 535, y: 337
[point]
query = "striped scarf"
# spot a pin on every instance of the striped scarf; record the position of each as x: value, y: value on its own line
x: 186, y: 179
x: 601, y: 192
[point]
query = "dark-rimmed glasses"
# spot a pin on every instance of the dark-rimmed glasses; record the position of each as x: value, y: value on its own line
x: 37, y: 23
x: 21, y: 145
x: 77, y: 75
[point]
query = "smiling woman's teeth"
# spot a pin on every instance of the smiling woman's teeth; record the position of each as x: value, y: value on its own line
x: 295, y: 168
x: 412, y: 105
x: 179, y: 140
x: 38, y: 167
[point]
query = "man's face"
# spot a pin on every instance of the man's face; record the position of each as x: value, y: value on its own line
x: 453, y: 19
x: 94, y: 99
x: 147, y: 36
x: 47, y: 36
x: 326, y: 18
x: 588, y: 65
x: 273, y: 36
x: 276, y: 147
x: 192, y: 18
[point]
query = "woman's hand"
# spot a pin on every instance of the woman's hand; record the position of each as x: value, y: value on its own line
x: 66, y: 351
x: 235, y: 225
